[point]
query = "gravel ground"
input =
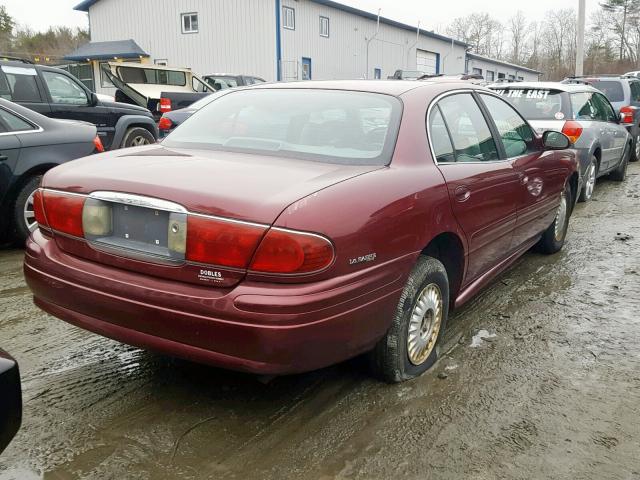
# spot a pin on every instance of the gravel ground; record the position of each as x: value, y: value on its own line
x: 541, y: 379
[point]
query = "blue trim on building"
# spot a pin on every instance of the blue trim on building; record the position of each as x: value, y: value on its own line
x: 278, y: 42
x: 437, y: 62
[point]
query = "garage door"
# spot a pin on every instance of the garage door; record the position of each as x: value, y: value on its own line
x: 426, y: 61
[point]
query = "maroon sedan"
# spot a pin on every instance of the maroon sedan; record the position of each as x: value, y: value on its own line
x: 287, y: 227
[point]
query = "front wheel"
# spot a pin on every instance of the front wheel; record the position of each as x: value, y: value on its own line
x: 553, y: 237
x: 635, y: 156
x: 410, y: 346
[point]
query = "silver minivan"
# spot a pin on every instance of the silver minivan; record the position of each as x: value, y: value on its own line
x: 583, y: 114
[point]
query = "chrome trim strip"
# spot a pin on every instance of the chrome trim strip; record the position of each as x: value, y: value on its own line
x: 138, y: 201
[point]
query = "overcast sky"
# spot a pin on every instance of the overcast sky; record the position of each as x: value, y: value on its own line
x: 433, y: 15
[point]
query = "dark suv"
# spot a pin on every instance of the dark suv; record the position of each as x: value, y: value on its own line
x: 623, y: 91
x: 58, y: 94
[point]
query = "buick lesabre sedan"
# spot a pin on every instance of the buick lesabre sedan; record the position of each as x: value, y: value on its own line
x: 287, y: 227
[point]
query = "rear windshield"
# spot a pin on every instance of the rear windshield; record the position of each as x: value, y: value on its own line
x: 152, y: 76
x: 535, y: 103
x: 612, y: 89
x: 350, y: 128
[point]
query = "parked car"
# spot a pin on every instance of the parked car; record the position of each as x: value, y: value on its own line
x: 58, y: 94
x: 172, y: 119
x: 10, y: 399
x: 255, y: 242
x: 221, y: 81
x: 406, y: 75
x: 158, y: 88
x: 30, y: 145
x: 624, y: 94
x: 585, y: 115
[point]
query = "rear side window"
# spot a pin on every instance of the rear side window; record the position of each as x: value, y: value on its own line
x: 582, y: 106
x: 611, y: 88
x: 604, y: 110
x: 535, y: 103
x: 439, y: 136
x: 470, y: 134
x: 13, y: 123
x: 19, y: 84
x: 515, y: 133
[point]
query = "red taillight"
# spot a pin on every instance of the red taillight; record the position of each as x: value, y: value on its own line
x: 165, y: 105
x: 38, y: 209
x: 573, y: 130
x: 220, y: 242
x: 626, y: 114
x: 165, y: 124
x: 98, y: 144
x: 63, y: 212
x: 285, y: 251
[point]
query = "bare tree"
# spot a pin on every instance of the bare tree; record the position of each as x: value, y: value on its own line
x: 479, y: 30
x: 517, y: 26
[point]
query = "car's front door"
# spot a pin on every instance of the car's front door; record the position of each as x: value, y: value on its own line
x: 483, y: 187
x: 540, y: 181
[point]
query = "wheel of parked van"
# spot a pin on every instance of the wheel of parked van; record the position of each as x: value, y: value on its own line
x: 635, y: 156
x: 137, y: 136
x: 589, y: 181
x: 410, y: 346
x: 24, y: 219
x: 620, y: 173
x: 553, y: 238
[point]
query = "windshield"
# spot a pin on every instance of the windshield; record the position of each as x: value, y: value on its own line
x: 351, y: 128
x: 611, y: 88
x: 535, y: 103
x: 152, y: 76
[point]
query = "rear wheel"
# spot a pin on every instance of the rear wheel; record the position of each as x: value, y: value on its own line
x: 553, y: 238
x: 409, y: 348
x: 137, y: 136
x: 620, y: 173
x: 590, y: 181
x: 635, y: 156
x: 24, y: 220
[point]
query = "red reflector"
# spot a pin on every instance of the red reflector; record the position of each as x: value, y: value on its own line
x: 38, y: 209
x: 64, y: 212
x: 573, y: 130
x: 626, y: 114
x: 219, y: 242
x: 98, y: 144
x: 284, y: 251
x: 165, y: 104
x: 165, y: 123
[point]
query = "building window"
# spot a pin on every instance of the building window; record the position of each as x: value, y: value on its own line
x: 491, y: 76
x: 512, y: 77
x: 377, y: 73
x: 288, y: 18
x: 324, y: 27
x: 521, y: 79
x: 500, y: 75
x: 477, y: 71
x: 189, y: 22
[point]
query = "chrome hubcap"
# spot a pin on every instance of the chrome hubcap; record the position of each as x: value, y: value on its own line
x: 424, y: 324
x: 561, y: 217
x: 637, y: 146
x: 139, y: 140
x: 29, y: 214
x: 591, y: 181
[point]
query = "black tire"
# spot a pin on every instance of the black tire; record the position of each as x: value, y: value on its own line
x: 389, y: 359
x: 620, y: 173
x: 635, y: 151
x: 585, y: 196
x: 20, y: 228
x: 136, y: 136
x: 552, y: 241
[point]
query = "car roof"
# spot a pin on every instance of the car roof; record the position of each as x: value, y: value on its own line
x: 149, y: 66
x: 563, y: 87
x: 388, y: 87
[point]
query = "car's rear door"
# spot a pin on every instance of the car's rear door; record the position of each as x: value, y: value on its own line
x: 540, y: 179
x: 483, y: 186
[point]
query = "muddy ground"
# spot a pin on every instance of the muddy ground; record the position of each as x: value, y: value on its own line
x: 554, y: 394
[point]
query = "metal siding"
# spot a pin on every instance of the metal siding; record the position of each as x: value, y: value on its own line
x: 500, y: 68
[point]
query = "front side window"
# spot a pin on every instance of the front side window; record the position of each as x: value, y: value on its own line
x: 349, y: 128
x: 470, y: 134
x: 324, y: 27
x: 515, y: 132
x: 288, y: 18
x: 64, y: 90
x: 10, y: 122
x: 189, y: 22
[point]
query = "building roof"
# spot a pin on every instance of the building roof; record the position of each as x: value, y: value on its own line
x: 500, y: 62
x: 107, y: 51
x: 86, y: 4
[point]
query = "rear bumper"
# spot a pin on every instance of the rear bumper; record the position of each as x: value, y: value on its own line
x: 254, y: 327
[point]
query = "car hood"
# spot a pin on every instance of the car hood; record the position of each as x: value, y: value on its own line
x: 241, y: 186
x: 125, y: 106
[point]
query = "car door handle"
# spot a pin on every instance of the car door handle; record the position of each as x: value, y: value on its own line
x: 3, y: 158
x: 462, y: 194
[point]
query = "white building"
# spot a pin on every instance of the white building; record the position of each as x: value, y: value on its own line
x: 272, y: 39
x: 494, y: 70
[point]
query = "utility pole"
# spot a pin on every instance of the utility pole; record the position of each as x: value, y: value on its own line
x: 366, y: 75
x: 580, y: 39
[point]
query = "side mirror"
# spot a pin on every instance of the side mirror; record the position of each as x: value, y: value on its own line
x: 93, y: 101
x: 552, y: 140
x: 10, y: 399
